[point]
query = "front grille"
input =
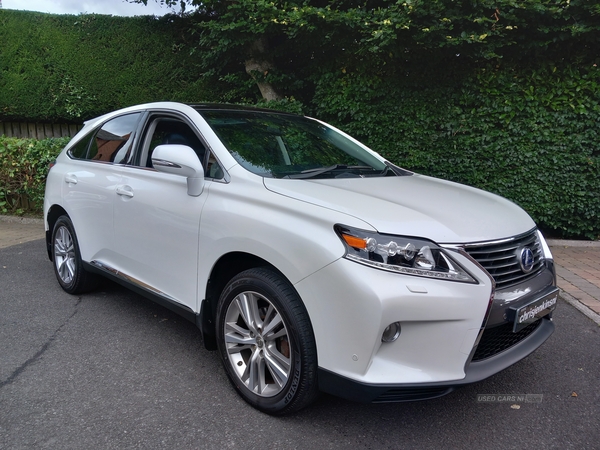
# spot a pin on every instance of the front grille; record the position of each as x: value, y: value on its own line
x: 497, y: 339
x: 501, y: 259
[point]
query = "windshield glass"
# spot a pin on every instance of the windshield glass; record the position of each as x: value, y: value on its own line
x: 285, y: 146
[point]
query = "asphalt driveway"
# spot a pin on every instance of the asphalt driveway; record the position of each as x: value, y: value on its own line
x: 112, y: 370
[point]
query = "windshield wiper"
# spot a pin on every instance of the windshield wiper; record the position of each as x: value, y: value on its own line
x: 395, y: 169
x: 310, y: 173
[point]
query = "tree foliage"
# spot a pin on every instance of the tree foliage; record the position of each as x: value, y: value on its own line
x: 302, y: 39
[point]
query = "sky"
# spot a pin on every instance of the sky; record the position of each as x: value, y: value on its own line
x: 112, y: 7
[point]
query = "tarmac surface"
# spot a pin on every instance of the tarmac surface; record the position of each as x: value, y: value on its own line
x: 111, y: 370
x: 577, y: 262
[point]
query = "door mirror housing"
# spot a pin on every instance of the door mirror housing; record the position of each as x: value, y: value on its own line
x: 180, y: 160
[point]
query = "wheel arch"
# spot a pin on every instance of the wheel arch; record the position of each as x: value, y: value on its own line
x: 226, y: 267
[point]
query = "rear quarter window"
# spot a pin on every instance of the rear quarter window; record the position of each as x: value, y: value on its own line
x: 112, y: 142
x: 79, y: 150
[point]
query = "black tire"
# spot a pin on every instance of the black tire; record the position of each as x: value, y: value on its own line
x: 273, y: 360
x: 71, y: 275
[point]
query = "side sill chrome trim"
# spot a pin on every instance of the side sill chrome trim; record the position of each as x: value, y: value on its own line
x: 144, y: 289
x: 131, y: 279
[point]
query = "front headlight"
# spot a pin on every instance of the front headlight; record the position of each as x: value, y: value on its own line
x: 401, y: 254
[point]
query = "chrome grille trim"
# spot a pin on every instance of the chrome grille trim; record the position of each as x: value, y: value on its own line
x: 501, y: 260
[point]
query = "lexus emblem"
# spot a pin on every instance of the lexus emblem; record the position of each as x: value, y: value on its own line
x: 526, y: 259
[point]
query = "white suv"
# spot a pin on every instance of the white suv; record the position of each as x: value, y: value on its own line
x: 309, y: 261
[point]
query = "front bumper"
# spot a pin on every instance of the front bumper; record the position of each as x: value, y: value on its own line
x: 350, y: 305
x: 476, y: 371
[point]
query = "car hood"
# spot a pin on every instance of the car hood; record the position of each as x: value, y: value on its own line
x: 416, y: 205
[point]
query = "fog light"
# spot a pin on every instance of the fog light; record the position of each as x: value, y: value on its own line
x: 391, y: 333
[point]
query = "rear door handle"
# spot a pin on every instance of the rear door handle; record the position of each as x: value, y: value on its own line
x: 71, y: 178
x: 125, y: 191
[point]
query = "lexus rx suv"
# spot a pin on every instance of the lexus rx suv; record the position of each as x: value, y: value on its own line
x: 307, y: 260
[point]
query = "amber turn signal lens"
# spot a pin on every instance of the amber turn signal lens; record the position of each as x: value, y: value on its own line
x: 355, y: 242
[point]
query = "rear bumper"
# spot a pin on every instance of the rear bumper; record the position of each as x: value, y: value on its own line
x: 343, y: 387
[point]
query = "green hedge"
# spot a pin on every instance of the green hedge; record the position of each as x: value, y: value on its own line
x: 528, y: 135
x: 24, y: 165
x: 72, y: 68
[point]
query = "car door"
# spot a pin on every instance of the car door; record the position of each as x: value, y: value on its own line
x: 155, y: 221
x: 90, y: 180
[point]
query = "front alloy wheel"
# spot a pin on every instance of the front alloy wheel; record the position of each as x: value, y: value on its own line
x: 266, y: 342
x: 258, y: 343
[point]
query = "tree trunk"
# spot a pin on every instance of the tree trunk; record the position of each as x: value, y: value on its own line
x: 258, y: 65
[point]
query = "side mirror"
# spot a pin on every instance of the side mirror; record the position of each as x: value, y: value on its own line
x: 180, y: 160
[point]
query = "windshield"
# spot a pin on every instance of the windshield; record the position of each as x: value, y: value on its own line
x: 285, y: 146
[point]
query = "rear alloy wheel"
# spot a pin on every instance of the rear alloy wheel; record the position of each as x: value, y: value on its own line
x: 266, y: 342
x: 71, y: 275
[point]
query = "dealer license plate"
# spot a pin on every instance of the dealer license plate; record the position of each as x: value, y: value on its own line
x: 532, y: 311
